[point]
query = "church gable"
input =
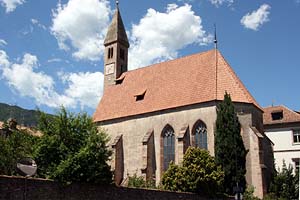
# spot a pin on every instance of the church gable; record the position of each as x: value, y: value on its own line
x: 185, y: 81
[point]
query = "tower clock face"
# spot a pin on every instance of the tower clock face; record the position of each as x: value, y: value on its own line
x: 110, y: 68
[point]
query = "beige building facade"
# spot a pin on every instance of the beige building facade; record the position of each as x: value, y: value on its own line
x: 153, y: 114
x: 282, y: 126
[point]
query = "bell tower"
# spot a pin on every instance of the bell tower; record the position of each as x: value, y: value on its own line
x: 116, y: 50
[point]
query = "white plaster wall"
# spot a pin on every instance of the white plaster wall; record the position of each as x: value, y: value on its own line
x: 287, y: 157
x: 284, y: 148
x: 282, y: 139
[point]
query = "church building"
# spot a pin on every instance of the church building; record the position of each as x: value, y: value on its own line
x: 153, y: 114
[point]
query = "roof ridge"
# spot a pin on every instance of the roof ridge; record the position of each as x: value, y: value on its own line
x: 290, y: 110
x: 168, y: 61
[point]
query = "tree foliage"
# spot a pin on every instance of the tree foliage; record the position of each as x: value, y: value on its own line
x: 198, y: 173
x: 249, y: 193
x: 18, y: 144
x: 285, y: 184
x: 72, y: 149
x: 230, y: 151
x: 140, y: 182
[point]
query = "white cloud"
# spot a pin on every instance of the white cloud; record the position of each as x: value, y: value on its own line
x: 37, y: 23
x: 257, y: 18
x: 221, y: 2
x: 23, y: 79
x: 159, y: 36
x: 80, y: 26
x: 84, y: 89
x: 10, y: 5
x: 54, y: 60
x: 3, y: 42
x: 4, y: 62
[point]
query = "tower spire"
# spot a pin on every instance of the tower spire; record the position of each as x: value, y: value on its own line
x: 216, y: 59
x: 215, y: 39
x: 116, y: 49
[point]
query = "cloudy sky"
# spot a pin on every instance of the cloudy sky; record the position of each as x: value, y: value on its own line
x: 51, y: 51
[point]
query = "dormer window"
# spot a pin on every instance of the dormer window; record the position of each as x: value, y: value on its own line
x: 110, y: 53
x: 277, y: 115
x: 140, y: 96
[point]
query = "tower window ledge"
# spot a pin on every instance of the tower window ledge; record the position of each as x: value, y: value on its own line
x: 120, y: 79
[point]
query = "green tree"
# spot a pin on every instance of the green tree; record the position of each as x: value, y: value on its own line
x: 18, y: 144
x: 72, y: 149
x: 198, y: 173
x: 285, y: 184
x: 230, y: 151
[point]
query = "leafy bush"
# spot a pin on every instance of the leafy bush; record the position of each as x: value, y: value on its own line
x: 285, y: 184
x: 249, y: 194
x: 139, y: 182
x: 198, y: 173
x: 17, y: 145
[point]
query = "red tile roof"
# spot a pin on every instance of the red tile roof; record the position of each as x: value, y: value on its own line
x: 180, y: 82
x: 289, y: 116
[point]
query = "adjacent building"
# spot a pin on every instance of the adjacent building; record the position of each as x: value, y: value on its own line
x: 282, y: 126
x: 153, y: 114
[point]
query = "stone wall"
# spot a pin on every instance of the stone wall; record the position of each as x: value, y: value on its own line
x: 13, y: 188
x: 145, y: 158
x: 135, y: 129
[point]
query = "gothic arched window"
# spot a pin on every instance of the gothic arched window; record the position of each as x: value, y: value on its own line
x: 200, y: 135
x: 168, y: 140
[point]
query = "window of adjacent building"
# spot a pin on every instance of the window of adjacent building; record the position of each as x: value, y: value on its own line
x: 168, y: 139
x: 110, y: 52
x: 122, y: 54
x: 297, y: 165
x: 277, y: 115
x: 200, y: 135
x: 296, y: 136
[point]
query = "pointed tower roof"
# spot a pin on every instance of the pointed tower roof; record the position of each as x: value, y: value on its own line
x: 116, y: 31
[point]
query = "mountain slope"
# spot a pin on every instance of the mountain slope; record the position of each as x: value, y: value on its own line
x: 23, y: 116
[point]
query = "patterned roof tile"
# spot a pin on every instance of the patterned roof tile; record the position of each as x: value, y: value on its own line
x: 180, y: 82
x: 289, y: 116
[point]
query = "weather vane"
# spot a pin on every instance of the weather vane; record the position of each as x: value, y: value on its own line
x: 117, y: 2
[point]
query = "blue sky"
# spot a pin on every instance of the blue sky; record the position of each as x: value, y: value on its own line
x: 51, y: 51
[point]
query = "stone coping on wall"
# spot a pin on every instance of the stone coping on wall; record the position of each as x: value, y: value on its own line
x: 15, y: 188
